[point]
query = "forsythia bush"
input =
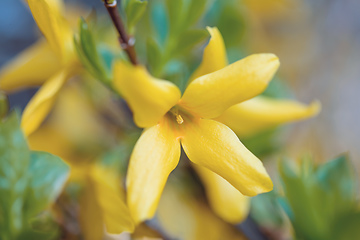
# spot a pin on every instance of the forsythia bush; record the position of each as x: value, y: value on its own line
x: 127, y: 98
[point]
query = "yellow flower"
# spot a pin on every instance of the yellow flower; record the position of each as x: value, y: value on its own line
x: 172, y: 122
x: 101, y: 203
x: 184, y: 216
x: 245, y: 119
x: 74, y: 132
x: 48, y: 63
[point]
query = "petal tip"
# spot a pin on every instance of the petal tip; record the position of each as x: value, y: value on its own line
x: 272, y: 58
x: 315, y: 108
x: 211, y: 30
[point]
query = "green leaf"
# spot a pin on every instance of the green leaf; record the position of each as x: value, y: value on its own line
x: 263, y: 143
x: 189, y: 39
x: 347, y: 227
x: 338, y: 176
x: 195, y: 11
x: 48, y: 176
x: 159, y: 21
x: 175, y: 14
x: 134, y: 10
x: 265, y: 209
x: 232, y: 25
x: 153, y: 55
x: 4, y: 105
x: 29, y: 182
x: 14, y: 162
x: 316, y: 197
x: 86, y: 48
x: 298, y: 198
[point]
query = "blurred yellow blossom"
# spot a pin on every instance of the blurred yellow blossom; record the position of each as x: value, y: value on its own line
x: 48, y: 63
x: 186, y: 217
x: 74, y: 130
x: 102, y: 202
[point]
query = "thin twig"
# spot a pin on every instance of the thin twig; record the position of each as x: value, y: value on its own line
x: 127, y: 44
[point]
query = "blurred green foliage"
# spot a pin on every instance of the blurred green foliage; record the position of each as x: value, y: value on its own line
x: 86, y: 47
x: 4, y: 105
x: 266, y: 210
x: 320, y: 199
x: 173, y: 37
x: 29, y: 183
x: 134, y: 10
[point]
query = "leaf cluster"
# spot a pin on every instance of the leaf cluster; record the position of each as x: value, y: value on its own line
x: 86, y: 47
x: 321, y: 200
x: 173, y: 34
x: 29, y: 183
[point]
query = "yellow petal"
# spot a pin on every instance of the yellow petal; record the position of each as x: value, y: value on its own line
x: 111, y: 201
x: 41, y: 104
x: 155, y: 155
x: 226, y: 201
x: 210, y: 95
x: 49, y: 139
x: 185, y: 217
x: 214, y: 57
x: 148, y: 98
x: 213, y: 145
x: 90, y: 215
x: 260, y: 113
x: 31, y: 68
x: 48, y: 16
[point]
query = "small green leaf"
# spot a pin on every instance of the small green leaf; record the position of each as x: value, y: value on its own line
x: 14, y: 162
x: 48, y: 176
x: 86, y: 48
x: 232, y: 25
x: 298, y: 198
x: 4, y: 105
x: 195, y: 11
x: 265, y: 209
x: 175, y: 14
x: 338, y: 175
x: 134, y: 10
x: 189, y: 39
x: 159, y: 22
x: 347, y: 227
x: 263, y: 143
x: 153, y: 54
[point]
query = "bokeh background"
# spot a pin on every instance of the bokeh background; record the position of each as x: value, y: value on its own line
x: 318, y: 43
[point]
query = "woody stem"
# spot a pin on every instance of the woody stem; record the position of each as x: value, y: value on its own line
x: 127, y: 44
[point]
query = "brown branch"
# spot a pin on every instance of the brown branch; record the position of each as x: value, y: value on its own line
x: 126, y: 43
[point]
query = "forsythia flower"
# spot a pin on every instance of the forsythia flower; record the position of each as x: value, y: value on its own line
x: 184, y: 216
x: 245, y: 119
x: 48, y: 63
x: 101, y: 203
x: 171, y: 122
x: 102, y: 199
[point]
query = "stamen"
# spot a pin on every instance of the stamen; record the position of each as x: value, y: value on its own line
x: 179, y: 119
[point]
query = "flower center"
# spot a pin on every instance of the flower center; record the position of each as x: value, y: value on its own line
x: 175, y: 112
